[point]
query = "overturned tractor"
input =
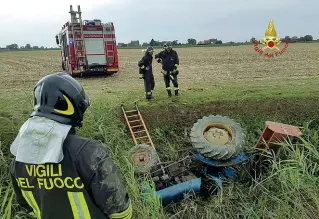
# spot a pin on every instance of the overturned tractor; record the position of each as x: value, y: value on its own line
x: 218, y: 144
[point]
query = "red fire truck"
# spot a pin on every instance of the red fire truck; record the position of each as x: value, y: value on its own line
x: 87, y: 46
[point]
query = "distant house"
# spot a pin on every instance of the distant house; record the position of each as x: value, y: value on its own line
x: 213, y: 40
x: 121, y: 44
x: 134, y: 43
x: 207, y: 42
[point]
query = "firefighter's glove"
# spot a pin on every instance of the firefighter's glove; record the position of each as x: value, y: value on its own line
x: 174, y: 72
x: 176, y: 66
x: 164, y: 72
x: 141, y: 76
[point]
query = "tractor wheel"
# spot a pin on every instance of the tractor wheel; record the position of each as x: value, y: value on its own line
x: 217, y: 137
x: 143, y: 158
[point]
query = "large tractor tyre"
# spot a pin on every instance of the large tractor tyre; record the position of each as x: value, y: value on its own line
x: 143, y: 158
x: 217, y: 137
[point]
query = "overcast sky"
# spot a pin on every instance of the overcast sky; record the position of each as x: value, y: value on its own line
x: 38, y: 21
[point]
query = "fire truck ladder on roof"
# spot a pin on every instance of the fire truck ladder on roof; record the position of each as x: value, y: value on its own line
x: 78, y: 39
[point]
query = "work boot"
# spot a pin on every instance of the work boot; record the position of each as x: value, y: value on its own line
x: 169, y: 93
x: 176, y: 92
x: 149, y: 96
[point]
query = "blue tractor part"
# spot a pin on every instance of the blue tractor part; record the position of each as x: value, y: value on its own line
x: 238, y: 159
x: 176, y: 192
x: 208, y: 177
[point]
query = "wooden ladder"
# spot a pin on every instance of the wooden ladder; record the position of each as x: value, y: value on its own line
x: 137, y: 127
x: 139, y: 132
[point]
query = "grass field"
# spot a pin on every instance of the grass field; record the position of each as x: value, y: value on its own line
x: 230, y: 81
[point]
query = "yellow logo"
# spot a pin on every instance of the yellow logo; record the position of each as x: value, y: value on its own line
x: 271, y: 41
x: 69, y: 111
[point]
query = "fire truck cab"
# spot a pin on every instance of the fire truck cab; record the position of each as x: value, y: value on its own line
x: 87, y: 46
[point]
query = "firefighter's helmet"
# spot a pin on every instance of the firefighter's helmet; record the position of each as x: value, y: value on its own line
x: 168, y: 46
x: 61, y: 98
x: 149, y: 50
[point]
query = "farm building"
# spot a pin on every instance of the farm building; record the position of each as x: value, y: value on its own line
x: 134, y: 43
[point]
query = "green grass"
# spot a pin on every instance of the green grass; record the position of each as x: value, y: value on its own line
x: 250, y: 91
x: 288, y: 189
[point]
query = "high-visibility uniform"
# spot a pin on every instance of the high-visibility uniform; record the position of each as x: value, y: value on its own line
x: 84, y: 185
x: 170, y: 63
x: 146, y: 70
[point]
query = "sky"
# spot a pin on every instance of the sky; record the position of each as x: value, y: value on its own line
x: 38, y: 21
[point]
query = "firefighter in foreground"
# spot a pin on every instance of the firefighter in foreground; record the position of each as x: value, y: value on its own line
x: 146, y: 72
x: 57, y: 174
x: 170, y: 62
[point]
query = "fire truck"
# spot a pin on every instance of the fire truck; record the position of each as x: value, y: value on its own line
x: 87, y: 46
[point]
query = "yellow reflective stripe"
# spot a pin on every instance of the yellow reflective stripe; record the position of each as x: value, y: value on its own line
x: 168, y: 88
x: 78, y: 204
x: 127, y: 214
x: 73, y: 206
x: 143, y: 67
x: 31, y: 201
x: 84, y: 205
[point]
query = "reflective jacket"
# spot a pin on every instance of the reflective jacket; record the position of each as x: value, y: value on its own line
x: 145, y: 64
x: 169, y: 59
x: 84, y: 185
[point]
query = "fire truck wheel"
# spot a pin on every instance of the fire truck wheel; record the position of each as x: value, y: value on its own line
x: 217, y: 137
x: 143, y: 158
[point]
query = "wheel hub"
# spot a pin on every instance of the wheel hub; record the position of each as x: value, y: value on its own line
x: 217, y: 136
x: 141, y: 158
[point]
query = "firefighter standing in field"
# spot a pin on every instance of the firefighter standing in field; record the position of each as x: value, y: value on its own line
x: 146, y: 72
x: 57, y: 174
x: 170, y: 62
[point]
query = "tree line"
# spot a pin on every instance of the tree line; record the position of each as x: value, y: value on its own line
x: 294, y: 39
x: 15, y: 46
x: 190, y: 41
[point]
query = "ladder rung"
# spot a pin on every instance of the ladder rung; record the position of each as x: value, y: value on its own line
x: 130, y: 111
x: 132, y: 116
x: 142, y: 137
x: 135, y: 120
x: 136, y: 126
x: 139, y: 131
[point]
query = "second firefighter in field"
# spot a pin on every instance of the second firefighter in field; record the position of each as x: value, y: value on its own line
x: 146, y: 72
x: 170, y: 62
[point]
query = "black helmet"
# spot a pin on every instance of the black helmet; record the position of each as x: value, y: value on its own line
x: 61, y: 98
x: 167, y: 45
x: 149, y: 49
